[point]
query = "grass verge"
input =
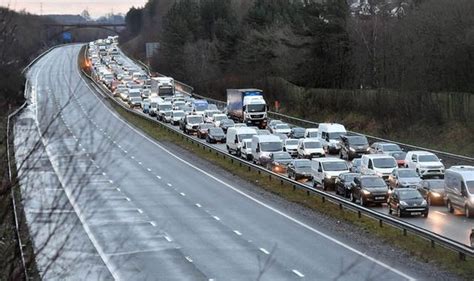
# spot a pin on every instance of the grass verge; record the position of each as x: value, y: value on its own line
x: 412, y: 244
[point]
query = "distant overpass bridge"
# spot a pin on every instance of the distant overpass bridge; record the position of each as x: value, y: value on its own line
x: 54, y: 30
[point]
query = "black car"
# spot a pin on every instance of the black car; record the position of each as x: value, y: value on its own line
x: 226, y: 124
x: 202, y: 130
x: 407, y: 201
x: 344, y: 183
x: 369, y: 189
x: 433, y: 191
x: 300, y: 169
x: 353, y: 147
x: 297, y: 133
x: 215, y: 135
x: 279, y: 161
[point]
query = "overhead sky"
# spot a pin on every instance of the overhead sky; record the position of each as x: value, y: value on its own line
x: 95, y: 8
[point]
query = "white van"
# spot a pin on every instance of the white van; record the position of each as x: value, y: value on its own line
x: 380, y: 164
x: 235, y: 137
x: 459, y: 187
x: 310, y: 148
x: 311, y: 133
x: 263, y: 146
x: 326, y: 170
x: 330, y: 135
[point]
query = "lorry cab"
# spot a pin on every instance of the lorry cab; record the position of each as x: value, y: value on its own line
x: 247, y: 106
x: 263, y: 146
x: 330, y: 134
x: 459, y: 187
x: 199, y: 106
x: 236, y: 136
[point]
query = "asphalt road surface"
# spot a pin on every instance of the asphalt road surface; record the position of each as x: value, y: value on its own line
x: 150, y: 214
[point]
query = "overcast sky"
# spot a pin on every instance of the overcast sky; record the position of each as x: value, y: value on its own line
x: 96, y: 8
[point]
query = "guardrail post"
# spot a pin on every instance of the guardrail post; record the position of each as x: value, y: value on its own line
x: 270, y: 177
x: 359, y: 214
x: 404, y: 232
x: 432, y: 244
x: 380, y: 223
x: 340, y: 207
x: 323, y: 199
x: 281, y: 182
x: 294, y: 187
x: 462, y: 256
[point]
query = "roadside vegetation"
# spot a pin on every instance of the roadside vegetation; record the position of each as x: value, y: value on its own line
x: 403, y: 75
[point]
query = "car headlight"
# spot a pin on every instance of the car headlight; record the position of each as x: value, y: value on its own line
x: 327, y: 176
x: 368, y: 148
x: 403, y: 203
x: 423, y: 203
x: 378, y: 174
x: 352, y: 149
x: 435, y: 194
x: 366, y: 192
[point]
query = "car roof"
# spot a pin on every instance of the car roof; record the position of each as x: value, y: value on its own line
x: 375, y: 156
x: 309, y: 140
x: 467, y: 172
x: 421, y: 152
x: 267, y: 137
x: 326, y: 160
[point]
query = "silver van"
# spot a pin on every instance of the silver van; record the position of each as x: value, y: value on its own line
x: 459, y: 187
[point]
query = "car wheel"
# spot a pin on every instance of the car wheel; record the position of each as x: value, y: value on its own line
x: 425, y: 215
x: 399, y: 212
x: 389, y: 210
x: 340, y: 155
x: 238, y: 153
x: 467, y: 212
x: 324, y: 186
x: 337, y: 191
x: 351, y: 197
x: 362, y: 201
x: 450, y: 207
x: 428, y: 199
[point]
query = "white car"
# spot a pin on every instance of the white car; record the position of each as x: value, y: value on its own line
x: 217, y: 118
x: 310, y: 148
x: 291, y: 146
x: 246, y: 149
x: 425, y: 163
x: 281, y: 129
x: 176, y: 116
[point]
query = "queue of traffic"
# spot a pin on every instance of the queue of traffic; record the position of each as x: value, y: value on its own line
x: 327, y: 157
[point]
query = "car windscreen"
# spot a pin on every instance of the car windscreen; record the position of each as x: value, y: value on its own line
x: 358, y: 141
x: 470, y: 186
x: 216, y: 132
x: 200, y: 107
x: 373, y: 182
x: 291, y: 142
x: 406, y: 194
x: 282, y: 156
x: 303, y: 164
x: 220, y: 117
x: 256, y: 108
x: 435, y: 184
x: 178, y: 114
x: 282, y: 126
x: 335, y: 166
x: 205, y: 126
x: 195, y: 119
x: 428, y: 158
x: 398, y: 155
x: 245, y: 136
x: 384, y: 163
x: 336, y: 135
x: 357, y: 162
x: 227, y: 122
x: 349, y: 177
x: 312, y: 144
x: 312, y: 134
x: 271, y: 146
x: 391, y: 147
x: 167, y: 113
x: 165, y: 107
x: 407, y: 174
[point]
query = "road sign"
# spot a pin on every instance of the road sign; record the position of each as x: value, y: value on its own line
x: 67, y: 37
x: 151, y: 49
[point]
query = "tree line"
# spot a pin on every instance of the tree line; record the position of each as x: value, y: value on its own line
x: 429, y: 47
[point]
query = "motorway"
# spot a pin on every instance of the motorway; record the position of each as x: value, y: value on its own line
x: 150, y: 214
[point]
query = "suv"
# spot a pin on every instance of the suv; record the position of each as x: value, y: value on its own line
x: 407, y: 201
x: 353, y: 147
x: 404, y: 177
x: 425, y: 163
x: 190, y: 123
x: 384, y: 148
x: 279, y: 162
x: 344, y: 183
x: 369, y: 189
